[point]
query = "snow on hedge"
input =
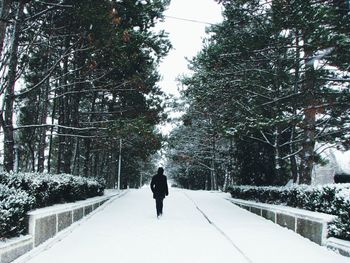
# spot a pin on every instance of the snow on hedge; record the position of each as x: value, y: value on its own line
x: 331, y: 199
x: 49, y: 189
x: 20, y: 192
x: 14, y: 205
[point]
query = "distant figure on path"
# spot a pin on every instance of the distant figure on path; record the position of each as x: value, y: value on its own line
x: 159, y: 187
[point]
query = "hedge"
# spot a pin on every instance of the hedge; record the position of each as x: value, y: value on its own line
x: 21, y: 192
x: 49, y: 189
x: 14, y: 205
x: 330, y: 199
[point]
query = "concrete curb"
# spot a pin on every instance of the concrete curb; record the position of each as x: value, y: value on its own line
x: 338, y: 245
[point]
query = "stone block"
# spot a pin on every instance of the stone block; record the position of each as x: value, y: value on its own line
x: 87, y: 210
x: 312, y: 230
x: 78, y: 214
x: 255, y: 210
x: 45, y: 228
x: 345, y: 253
x: 339, y: 245
x: 286, y: 221
x: 64, y: 220
x: 269, y: 215
x: 9, y: 254
x: 96, y: 205
x: 246, y: 207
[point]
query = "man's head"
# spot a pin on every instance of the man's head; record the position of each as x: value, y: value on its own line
x: 160, y: 171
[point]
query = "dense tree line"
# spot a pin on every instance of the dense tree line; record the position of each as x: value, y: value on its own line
x: 79, y: 80
x: 270, y: 81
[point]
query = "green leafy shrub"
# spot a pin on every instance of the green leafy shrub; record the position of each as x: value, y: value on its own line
x: 330, y: 199
x: 14, y: 205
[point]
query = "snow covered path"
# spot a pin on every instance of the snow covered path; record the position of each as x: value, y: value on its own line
x: 127, y: 230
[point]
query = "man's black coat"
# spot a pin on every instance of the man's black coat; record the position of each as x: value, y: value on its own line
x: 159, y: 186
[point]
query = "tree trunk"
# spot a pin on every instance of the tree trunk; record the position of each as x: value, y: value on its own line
x: 72, y: 104
x: 278, y: 165
x: 76, y: 166
x: 213, y: 178
x: 229, y: 167
x: 87, y: 142
x: 44, y: 105
x: 95, y: 164
x: 32, y: 158
x: 51, y: 135
x: 293, y: 161
x: 309, y: 123
x: 226, y: 181
x: 7, y: 120
x: 42, y: 131
x: 87, y: 157
x: 62, y: 115
x: 68, y: 143
x: 4, y: 12
x: 61, y: 141
x: 308, y: 156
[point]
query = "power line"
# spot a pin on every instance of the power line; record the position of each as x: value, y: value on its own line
x: 189, y: 20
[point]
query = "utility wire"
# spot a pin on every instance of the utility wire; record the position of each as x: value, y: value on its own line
x: 189, y: 20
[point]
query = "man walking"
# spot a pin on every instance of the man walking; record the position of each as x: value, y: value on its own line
x: 159, y: 187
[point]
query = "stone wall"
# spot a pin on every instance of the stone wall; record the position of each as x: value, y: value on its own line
x: 340, y: 246
x: 15, y: 248
x: 312, y: 225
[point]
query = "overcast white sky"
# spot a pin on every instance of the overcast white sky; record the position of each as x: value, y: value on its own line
x: 185, y: 36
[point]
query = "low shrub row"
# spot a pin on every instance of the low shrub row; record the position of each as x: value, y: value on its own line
x: 49, y: 189
x: 20, y: 192
x: 14, y: 205
x: 330, y: 199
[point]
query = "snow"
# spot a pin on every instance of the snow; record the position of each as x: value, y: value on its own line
x: 339, y: 242
x: 338, y: 162
x: 197, y: 226
x: 13, y: 241
x: 300, y: 213
x: 77, y: 204
x: 344, y: 193
x: 343, y: 159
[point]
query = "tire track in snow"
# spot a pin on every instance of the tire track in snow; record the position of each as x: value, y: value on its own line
x: 218, y: 229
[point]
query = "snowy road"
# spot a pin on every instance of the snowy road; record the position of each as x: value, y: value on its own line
x: 127, y: 230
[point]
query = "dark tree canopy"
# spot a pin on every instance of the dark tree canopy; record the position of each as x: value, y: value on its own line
x: 88, y: 74
x: 270, y: 81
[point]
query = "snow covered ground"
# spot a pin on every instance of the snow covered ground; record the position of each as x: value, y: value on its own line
x: 197, y: 226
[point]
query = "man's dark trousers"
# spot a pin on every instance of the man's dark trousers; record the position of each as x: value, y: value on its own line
x: 159, y: 206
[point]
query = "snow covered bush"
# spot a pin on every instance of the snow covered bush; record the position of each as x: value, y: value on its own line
x: 49, y: 189
x: 330, y: 199
x: 14, y: 205
x: 20, y: 192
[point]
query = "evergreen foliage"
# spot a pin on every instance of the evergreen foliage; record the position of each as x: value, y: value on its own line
x: 14, y: 205
x: 267, y: 84
x: 50, y: 189
x: 21, y: 192
x: 89, y: 79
